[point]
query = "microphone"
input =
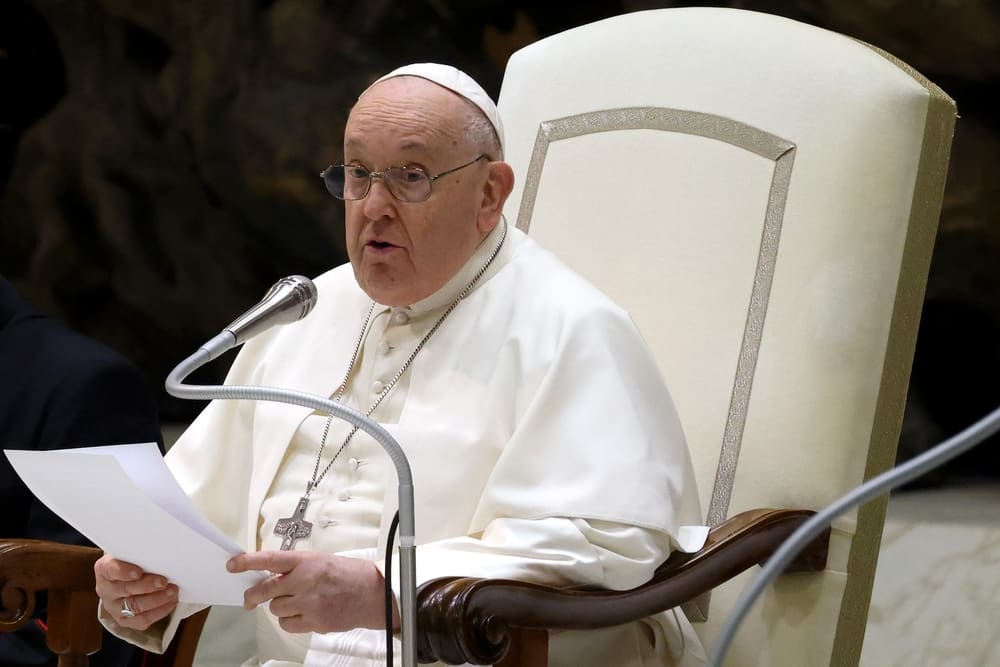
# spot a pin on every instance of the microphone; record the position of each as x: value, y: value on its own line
x: 290, y: 299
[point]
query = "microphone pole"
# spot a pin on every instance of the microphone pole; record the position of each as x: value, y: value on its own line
x: 291, y: 299
x: 874, y: 487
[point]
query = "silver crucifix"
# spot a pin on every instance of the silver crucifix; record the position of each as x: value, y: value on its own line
x: 294, y: 527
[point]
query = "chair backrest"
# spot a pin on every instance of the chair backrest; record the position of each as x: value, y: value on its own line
x: 762, y: 196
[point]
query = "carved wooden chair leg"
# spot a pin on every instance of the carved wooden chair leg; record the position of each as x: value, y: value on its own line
x: 528, y: 648
x: 74, y: 631
x: 181, y: 651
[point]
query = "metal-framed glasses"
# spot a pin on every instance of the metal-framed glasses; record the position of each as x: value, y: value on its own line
x: 410, y: 184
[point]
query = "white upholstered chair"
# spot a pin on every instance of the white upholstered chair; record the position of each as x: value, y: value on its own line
x: 762, y: 196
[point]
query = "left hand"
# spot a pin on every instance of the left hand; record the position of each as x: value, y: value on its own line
x: 312, y: 591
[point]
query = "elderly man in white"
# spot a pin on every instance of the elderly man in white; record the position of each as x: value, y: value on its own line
x: 543, y: 443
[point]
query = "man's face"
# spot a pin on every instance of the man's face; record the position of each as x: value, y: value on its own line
x: 403, y: 252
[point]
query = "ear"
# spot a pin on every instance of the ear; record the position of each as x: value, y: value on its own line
x: 498, y: 186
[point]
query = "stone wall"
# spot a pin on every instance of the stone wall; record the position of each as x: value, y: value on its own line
x: 159, y: 160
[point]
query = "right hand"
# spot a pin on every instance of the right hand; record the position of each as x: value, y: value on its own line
x: 150, y: 596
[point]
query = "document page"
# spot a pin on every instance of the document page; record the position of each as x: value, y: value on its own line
x: 124, y: 499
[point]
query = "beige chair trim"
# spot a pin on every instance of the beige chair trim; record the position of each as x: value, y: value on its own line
x: 729, y: 131
x: 925, y: 210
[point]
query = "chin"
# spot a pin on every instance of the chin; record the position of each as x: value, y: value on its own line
x: 388, y: 295
x: 388, y: 287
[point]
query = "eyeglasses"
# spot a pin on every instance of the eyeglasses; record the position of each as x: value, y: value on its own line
x: 409, y: 184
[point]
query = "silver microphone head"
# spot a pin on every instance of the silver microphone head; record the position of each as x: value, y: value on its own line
x: 290, y: 299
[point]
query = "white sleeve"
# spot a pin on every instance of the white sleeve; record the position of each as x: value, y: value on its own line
x: 157, y: 638
x: 555, y: 551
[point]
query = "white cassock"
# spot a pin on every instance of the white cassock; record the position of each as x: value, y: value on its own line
x: 543, y: 443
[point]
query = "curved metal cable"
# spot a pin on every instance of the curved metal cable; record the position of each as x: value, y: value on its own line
x: 873, y: 488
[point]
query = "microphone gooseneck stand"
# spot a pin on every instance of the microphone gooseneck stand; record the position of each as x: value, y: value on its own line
x: 871, y: 489
x: 407, y: 550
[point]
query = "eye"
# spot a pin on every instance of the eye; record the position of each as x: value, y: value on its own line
x: 355, y: 171
x: 411, y: 175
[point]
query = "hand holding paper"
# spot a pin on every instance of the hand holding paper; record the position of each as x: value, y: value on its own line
x: 317, y: 592
x: 124, y: 499
x: 134, y: 598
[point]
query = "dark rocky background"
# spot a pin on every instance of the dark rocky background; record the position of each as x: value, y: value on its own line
x: 159, y: 160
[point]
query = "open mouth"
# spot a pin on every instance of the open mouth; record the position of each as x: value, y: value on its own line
x: 380, y: 245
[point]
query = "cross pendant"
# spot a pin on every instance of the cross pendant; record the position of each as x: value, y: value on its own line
x: 294, y: 527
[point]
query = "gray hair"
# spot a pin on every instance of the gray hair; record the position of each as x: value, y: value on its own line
x: 480, y: 133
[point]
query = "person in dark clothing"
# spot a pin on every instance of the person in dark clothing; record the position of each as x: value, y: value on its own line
x: 59, y: 389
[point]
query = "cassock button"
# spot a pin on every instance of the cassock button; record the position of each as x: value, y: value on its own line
x: 384, y: 347
x: 343, y: 495
x: 378, y: 387
x: 400, y: 317
x: 354, y: 463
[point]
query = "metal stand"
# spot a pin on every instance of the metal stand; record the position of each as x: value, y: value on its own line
x: 407, y: 549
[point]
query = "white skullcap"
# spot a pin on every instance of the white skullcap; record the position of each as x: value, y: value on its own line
x: 456, y: 81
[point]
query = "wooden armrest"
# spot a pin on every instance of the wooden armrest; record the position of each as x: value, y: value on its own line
x: 66, y: 571
x: 463, y: 619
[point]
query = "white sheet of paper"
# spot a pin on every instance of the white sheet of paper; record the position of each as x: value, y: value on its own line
x: 124, y: 499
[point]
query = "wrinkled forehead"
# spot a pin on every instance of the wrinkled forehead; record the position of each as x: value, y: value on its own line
x: 458, y: 82
x: 410, y: 110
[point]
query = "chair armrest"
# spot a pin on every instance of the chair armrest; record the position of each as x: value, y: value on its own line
x: 66, y: 571
x: 462, y: 619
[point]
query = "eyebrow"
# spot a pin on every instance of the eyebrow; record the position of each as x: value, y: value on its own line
x: 411, y: 144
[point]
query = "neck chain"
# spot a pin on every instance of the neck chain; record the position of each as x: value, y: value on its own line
x: 296, y: 527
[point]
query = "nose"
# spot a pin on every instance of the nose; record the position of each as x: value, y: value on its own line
x: 379, y: 201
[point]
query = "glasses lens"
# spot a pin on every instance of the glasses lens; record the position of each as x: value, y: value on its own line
x: 408, y: 184
x: 347, y: 181
x: 356, y: 181
x: 333, y: 178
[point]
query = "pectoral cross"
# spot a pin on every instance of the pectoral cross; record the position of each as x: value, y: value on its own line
x: 294, y: 527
